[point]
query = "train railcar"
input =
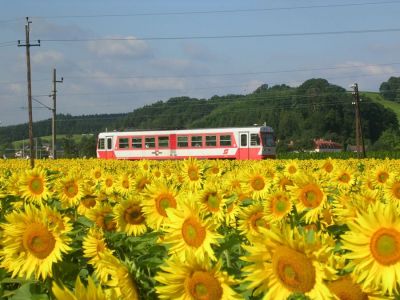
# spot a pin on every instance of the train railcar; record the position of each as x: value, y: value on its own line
x: 211, y: 143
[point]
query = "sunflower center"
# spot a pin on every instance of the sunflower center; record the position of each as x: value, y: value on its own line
x: 193, y: 232
x: 125, y: 184
x: 345, y: 289
x: 109, y: 182
x: 215, y: 170
x: 292, y: 169
x: 293, y: 269
x: 203, y: 286
x: 256, y: 220
x: 213, y: 202
x: 71, y: 189
x: 328, y: 167
x: 36, y: 185
x: 97, y: 174
x: 193, y: 173
x: 38, y: 240
x: 345, y: 178
x: 385, y: 246
x: 382, y: 177
x: 133, y: 215
x: 311, y: 196
x: 257, y: 183
x: 163, y: 202
x: 396, y: 190
x: 89, y: 202
x: 280, y: 204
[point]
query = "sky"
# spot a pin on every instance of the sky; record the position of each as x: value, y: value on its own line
x: 115, y: 56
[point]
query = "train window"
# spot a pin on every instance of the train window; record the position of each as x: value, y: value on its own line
x: 225, y: 140
x: 163, y: 141
x: 109, y: 143
x: 267, y: 139
x: 211, y: 140
x: 150, y: 142
x: 137, y: 143
x: 243, y: 140
x: 101, y: 145
x: 254, y: 139
x: 123, y: 143
x: 183, y: 141
x: 197, y: 141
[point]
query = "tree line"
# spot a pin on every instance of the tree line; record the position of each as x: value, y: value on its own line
x: 315, y: 109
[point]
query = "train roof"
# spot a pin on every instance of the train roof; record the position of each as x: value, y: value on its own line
x: 188, y: 131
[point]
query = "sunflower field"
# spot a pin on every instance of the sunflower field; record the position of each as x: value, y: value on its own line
x: 200, y: 229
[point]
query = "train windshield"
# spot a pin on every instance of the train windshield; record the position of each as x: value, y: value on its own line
x: 267, y: 139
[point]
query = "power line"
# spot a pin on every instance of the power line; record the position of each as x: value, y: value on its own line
x: 228, y: 11
x: 289, y: 34
x: 218, y: 74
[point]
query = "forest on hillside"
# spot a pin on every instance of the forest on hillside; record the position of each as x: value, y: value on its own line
x: 315, y: 109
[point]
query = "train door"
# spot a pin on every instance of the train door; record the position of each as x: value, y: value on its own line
x: 172, y: 146
x: 109, y: 147
x: 244, y: 151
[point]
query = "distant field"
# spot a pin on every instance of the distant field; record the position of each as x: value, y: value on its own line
x: 47, y: 139
x: 388, y: 104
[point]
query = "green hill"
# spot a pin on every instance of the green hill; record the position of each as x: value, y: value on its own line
x: 377, y: 98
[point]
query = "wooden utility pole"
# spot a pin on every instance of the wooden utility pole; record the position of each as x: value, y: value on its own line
x: 27, y: 45
x: 359, y: 133
x: 53, y: 123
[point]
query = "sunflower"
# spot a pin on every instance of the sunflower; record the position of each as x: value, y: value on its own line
x: 158, y: 196
x: 346, y: 288
x: 392, y: 189
x: 309, y: 194
x: 94, y: 247
x: 282, y: 182
x: 86, y: 203
x: 70, y: 190
x: 291, y: 168
x: 96, y: 174
x: 91, y: 292
x: 381, y: 174
x: 102, y: 216
x: 194, y: 279
x: 122, y: 280
x: 277, y: 206
x: 344, y: 208
x: 374, y: 245
x: 34, y: 185
x: 286, y: 262
x: 32, y: 241
x: 344, y: 177
x: 189, y: 233
x: 192, y: 172
x: 256, y: 183
x: 108, y: 184
x: 129, y: 217
x: 328, y: 166
x: 141, y: 180
x: 251, y: 219
x: 125, y: 185
x: 212, y: 200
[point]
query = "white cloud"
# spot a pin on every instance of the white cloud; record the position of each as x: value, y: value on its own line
x: 129, y: 47
x: 47, y: 57
x: 368, y: 69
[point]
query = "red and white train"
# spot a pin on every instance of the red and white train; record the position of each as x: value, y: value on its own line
x: 256, y: 142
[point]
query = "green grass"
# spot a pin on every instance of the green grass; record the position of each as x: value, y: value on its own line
x: 376, y: 97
